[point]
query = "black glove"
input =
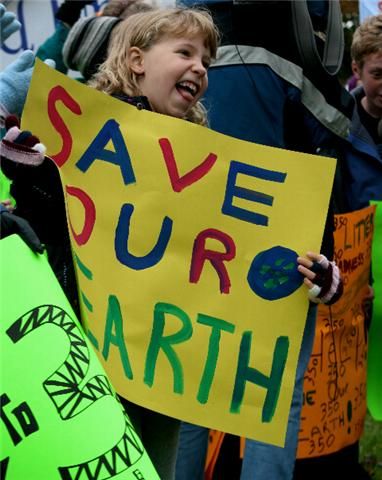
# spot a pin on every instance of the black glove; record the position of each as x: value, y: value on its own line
x: 10, y: 224
x: 70, y: 11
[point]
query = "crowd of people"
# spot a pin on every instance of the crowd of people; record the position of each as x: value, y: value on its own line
x: 207, y: 62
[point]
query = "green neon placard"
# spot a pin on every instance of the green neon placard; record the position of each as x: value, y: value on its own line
x: 374, y: 367
x: 60, y: 416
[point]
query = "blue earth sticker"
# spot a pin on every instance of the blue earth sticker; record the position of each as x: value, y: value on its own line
x: 273, y: 273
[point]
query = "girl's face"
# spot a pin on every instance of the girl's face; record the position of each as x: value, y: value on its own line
x: 172, y: 74
x: 371, y: 78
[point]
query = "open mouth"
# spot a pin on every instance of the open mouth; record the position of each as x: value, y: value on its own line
x: 187, y: 88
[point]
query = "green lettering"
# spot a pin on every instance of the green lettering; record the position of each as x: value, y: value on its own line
x: 272, y: 383
x: 213, y: 353
x: 114, y: 318
x: 159, y: 342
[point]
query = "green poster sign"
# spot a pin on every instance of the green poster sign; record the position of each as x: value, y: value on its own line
x: 374, y: 382
x: 60, y: 416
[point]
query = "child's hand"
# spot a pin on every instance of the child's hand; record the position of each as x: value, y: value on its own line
x: 322, y: 278
x: 307, y: 269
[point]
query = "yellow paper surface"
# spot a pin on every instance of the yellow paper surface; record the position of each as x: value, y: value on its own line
x: 183, y: 359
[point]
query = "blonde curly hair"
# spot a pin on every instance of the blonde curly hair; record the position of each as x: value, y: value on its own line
x: 367, y: 39
x: 143, y: 30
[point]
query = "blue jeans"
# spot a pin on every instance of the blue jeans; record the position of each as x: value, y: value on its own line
x: 192, y: 452
x: 261, y: 460
x: 269, y: 462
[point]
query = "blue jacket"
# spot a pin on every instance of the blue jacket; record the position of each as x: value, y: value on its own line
x: 364, y: 162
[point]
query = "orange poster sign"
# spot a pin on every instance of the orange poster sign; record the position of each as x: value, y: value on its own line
x: 335, y: 381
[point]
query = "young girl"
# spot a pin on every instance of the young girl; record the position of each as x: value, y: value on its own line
x: 158, y: 60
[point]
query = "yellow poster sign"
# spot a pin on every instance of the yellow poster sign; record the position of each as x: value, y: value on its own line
x: 185, y: 243
x: 335, y: 381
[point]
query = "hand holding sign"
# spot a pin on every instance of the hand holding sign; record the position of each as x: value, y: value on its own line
x: 322, y: 277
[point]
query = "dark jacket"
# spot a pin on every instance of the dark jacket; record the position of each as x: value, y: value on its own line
x: 364, y: 161
x: 39, y: 199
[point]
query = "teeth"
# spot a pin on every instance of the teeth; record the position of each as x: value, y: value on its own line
x: 190, y: 86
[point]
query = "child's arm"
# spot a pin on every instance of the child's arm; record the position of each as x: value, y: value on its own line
x: 323, y: 278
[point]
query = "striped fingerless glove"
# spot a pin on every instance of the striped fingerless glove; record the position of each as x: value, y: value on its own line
x: 328, y: 286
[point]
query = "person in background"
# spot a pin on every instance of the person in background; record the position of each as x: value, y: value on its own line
x: 66, y: 16
x: 366, y: 52
x: 80, y: 44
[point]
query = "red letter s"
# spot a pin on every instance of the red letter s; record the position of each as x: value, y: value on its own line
x: 58, y: 93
